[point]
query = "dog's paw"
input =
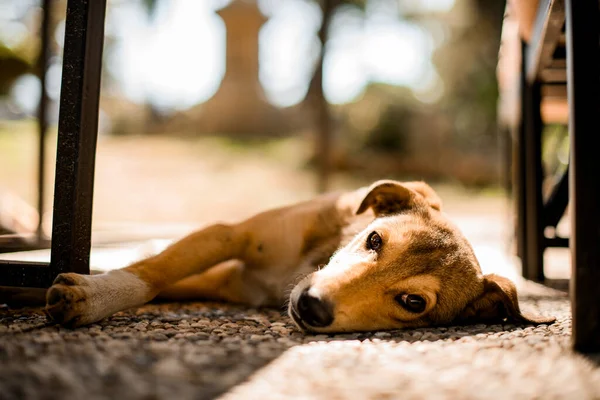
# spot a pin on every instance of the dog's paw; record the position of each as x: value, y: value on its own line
x: 74, y: 300
x: 67, y: 300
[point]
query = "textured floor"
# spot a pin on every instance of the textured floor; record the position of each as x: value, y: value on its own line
x: 207, y: 350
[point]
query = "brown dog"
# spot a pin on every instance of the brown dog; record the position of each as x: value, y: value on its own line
x: 393, y: 259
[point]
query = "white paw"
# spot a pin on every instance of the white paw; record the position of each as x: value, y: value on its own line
x: 75, y: 300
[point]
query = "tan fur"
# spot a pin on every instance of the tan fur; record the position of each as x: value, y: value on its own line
x: 257, y: 262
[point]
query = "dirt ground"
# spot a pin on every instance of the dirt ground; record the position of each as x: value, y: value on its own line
x: 163, y: 179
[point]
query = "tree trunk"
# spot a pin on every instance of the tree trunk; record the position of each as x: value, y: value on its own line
x: 319, y: 105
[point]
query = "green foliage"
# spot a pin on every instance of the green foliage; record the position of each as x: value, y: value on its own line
x: 12, y: 65
x: 555, y: 148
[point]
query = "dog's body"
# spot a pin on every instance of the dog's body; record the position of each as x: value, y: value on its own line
x: 393, y: 260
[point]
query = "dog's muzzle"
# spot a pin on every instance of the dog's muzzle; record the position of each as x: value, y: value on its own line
x: 309, y: 311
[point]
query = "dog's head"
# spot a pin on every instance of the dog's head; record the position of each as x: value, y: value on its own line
x: 411, y: 267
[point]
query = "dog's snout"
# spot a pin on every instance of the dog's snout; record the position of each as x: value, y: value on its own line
x: 314, y: 311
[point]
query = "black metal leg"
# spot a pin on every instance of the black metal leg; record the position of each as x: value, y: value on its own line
x: 583, y: 66
x: 77, y: 134
x: 534, y: 263
x: 530, y: 204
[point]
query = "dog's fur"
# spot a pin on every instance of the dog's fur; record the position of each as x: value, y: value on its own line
x: 365, y: 284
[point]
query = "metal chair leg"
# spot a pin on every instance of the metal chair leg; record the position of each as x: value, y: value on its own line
x: 530, y: 210
x: 76, y: 150
x: 583, y: 65
x: 77, y: 134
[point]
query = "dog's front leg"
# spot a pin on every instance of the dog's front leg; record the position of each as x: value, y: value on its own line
x: 231, y: 281
x: 76, y: 299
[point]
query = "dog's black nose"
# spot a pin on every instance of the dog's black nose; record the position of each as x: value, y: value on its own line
x: 314, y: 311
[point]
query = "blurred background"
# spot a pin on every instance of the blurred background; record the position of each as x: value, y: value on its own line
x: 217, y: 109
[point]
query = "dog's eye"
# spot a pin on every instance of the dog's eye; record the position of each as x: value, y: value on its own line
x: 374, y: 241
x: 411, y: 302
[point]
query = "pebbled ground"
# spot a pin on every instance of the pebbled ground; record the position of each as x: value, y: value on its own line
x: 211, y: 350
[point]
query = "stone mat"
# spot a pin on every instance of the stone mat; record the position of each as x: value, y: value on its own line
x: 212, y: 350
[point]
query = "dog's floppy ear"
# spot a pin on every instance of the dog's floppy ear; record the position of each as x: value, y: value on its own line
x: 498, y: 302
x: 390, y: 197
x: 386, y: 197
x: 427, y: 193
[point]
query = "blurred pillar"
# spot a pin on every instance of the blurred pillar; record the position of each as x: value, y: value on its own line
x: 243, y: 21
x: 240, y: 105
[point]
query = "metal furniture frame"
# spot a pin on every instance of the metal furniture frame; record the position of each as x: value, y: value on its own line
x: 563, y: 59
x: 76, y: 148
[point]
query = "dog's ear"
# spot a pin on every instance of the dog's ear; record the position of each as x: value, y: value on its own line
x: 497, y: 303
x: 386, y: 197
x: 427, y: 193
x: 390, y: 197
